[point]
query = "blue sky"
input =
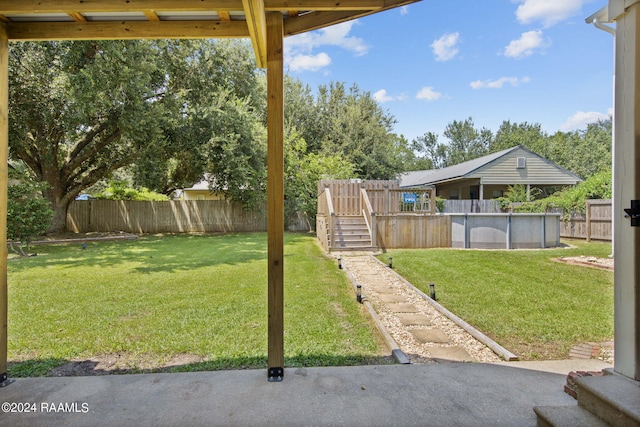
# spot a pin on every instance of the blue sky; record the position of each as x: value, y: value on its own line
x: 433, y: 62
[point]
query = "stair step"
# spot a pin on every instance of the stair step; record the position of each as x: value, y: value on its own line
x: 352, y: 236
x: 353, y: 242
x: 613, y: 398
x: 566, y: 416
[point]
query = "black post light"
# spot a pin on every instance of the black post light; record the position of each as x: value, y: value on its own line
x: 432, y: 288
x: 390, y: 262
x: 340, y: 263
x: 359, y: 293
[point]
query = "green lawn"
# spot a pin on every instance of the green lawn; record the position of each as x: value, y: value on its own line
x: 157, y: 298
x: 530, y: 304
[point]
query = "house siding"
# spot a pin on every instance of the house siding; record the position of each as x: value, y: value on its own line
x: 537, y: 171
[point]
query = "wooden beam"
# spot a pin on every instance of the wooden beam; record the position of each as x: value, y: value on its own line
x: 224, y: 15
x: 254, y: 14
x: 82, y: 6
x: 78, y: 17
x: 320, y: 19
x: 125, y: 30
x: 315, y: 20
x: 324, y: 5
x: 275, y: 190
x: 4, y: 19
x: 4, y: 180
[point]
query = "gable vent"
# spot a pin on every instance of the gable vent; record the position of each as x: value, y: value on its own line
x: 521, y: 163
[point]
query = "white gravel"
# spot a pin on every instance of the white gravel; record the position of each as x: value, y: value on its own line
x: 370, y: 273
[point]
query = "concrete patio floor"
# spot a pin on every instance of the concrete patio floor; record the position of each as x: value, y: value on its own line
x: 443, y: 394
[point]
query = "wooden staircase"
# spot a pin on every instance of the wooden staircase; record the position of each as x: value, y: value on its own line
x: 351, y: 234
x: 609, y: 400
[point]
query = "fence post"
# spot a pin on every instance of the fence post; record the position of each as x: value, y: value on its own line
x: 588, y: 224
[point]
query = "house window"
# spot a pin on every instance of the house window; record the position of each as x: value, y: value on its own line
x: 200, y: 196
x: 454, y: 195
x: 497, y: 193
x: 521, y: 163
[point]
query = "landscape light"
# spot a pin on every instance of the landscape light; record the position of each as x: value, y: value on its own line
x: 432, y: 287
x: 340, y: 263
x: 390, y: 262
x: 359, y: 293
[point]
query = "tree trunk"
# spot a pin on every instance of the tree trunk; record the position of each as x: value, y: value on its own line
x: 59, y: 221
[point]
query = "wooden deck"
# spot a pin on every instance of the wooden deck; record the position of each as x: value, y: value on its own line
x: 353, y: 215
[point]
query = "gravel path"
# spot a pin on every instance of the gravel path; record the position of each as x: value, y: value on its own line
x: 423, y: 333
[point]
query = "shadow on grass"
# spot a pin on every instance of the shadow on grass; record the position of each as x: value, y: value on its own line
x: 157, y: 253
x: 56, y: 367
x: 150, y: 254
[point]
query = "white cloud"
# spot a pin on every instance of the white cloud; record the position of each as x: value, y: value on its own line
x: 581, y: 119
x: 404, y: 10
x: 445, y: 48
x: 428, y: 94
x: 525, y: 45
x: 381, y: 96
x: 299, y: 50
x: 549, y: 12
x: 309, y: 62
x: 497, y: 84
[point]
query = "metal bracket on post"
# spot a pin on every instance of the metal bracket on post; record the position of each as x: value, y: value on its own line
x: 4, y: 380
x: 276, y: 375
x: 634, y: 213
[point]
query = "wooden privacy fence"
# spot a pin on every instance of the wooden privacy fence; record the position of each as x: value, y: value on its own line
x: 594, y: 224
x: 176, y: 216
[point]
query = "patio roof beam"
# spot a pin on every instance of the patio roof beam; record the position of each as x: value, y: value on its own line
x: 126, y: 30
x: 9, y: 7
x: 254, y: 13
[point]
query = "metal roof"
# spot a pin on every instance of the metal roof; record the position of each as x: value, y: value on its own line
x: 465, y: 170
x: 434, y: 176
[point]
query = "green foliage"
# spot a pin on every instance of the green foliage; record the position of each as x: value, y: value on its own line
x: 304, y: 170
x: 82, y: 110
x: 598, y: 186
x: 28, y: 214
x: 120, y: 190
x: 347, y: 123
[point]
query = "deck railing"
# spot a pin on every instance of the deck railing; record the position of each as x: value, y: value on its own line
x: 369, y: 215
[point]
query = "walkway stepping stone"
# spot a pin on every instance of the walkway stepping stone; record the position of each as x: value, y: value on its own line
x: 424, y: 336
x: 450, y: 354
x: 391, y: 298
x: 403, y: 308
x: 409, y: 319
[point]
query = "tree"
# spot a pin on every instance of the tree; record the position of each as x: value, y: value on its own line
x: 304, y: 170
x: 465, y: 141
x: 222, y: 97
x: 82, y: 110
x: 354, y: 126
x: 434, y: 154
x: 529, y: 135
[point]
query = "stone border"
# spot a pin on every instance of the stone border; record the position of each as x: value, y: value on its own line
x: 396, y: 352
x: 494, y: 346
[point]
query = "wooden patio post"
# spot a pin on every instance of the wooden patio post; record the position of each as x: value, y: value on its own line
x: 4, y: 179
x: 275, y: 193
x: 627, y: 188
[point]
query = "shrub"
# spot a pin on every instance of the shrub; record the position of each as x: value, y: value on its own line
x: 28, y: 215
x: 119, y: 190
